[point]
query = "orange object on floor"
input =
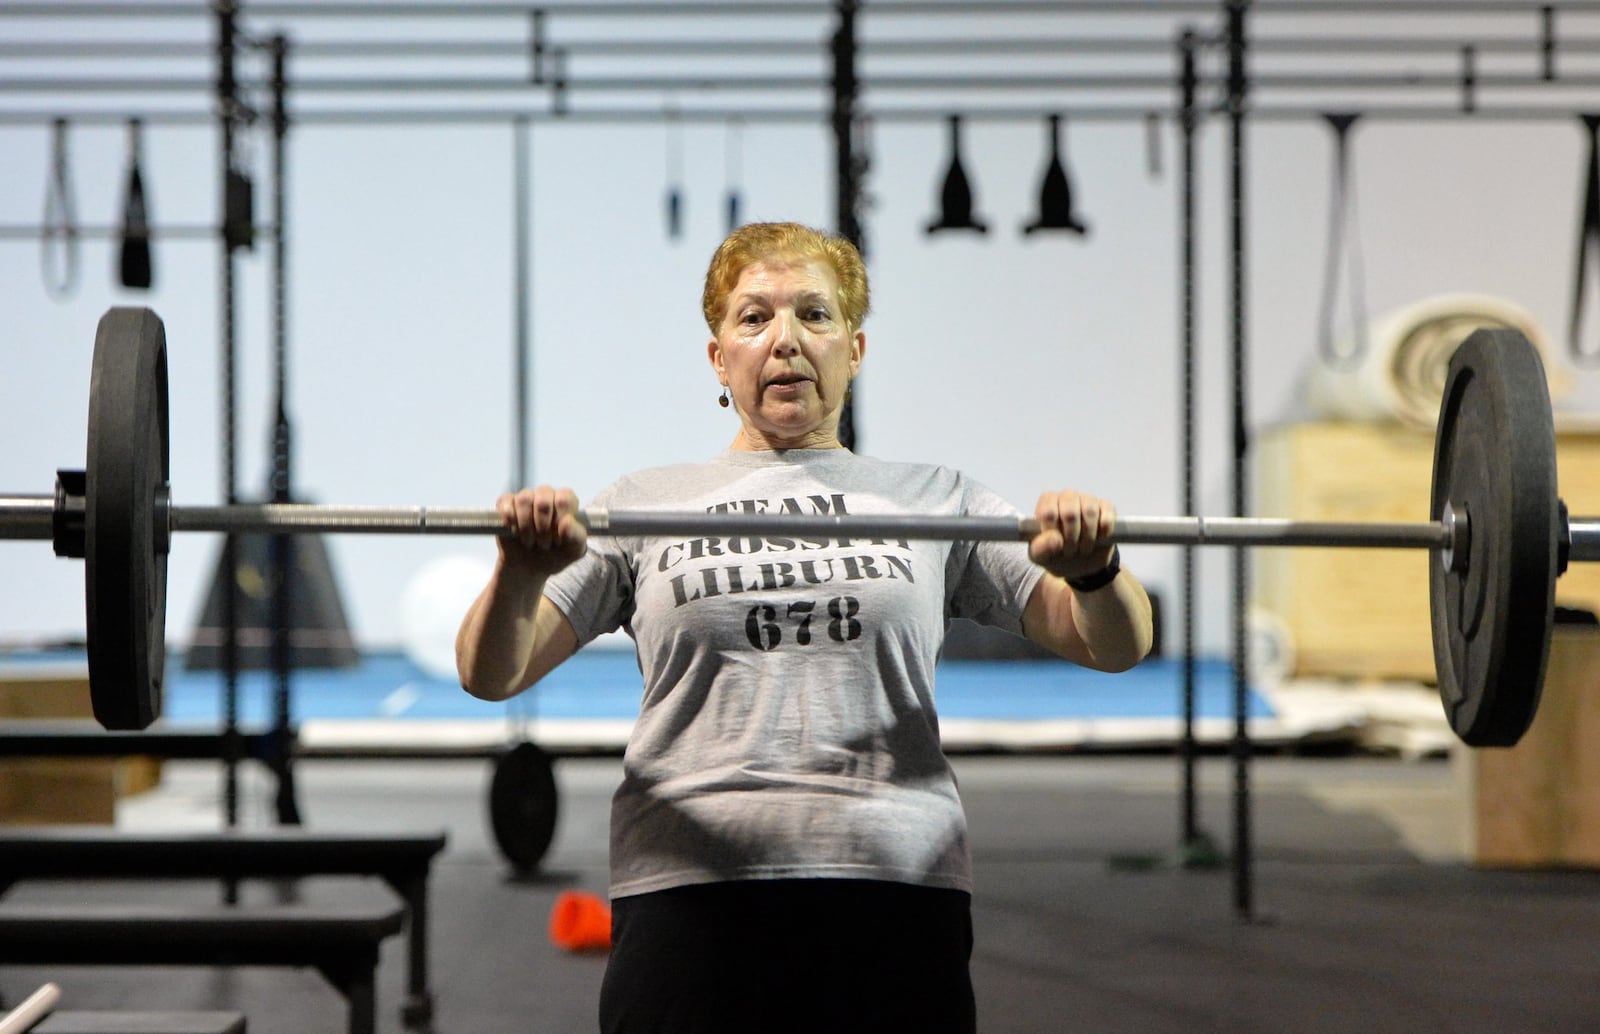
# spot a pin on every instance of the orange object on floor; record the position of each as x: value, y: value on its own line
x: 581, y: 922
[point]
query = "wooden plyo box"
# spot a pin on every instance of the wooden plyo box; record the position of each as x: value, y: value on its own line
x: 36, y: 791
x: 1364, y: 613
x: 1537, y: 805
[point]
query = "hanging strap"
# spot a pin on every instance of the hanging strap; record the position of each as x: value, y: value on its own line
x: 1342, y: 220
x: 134, y: 266
x: 674, y: 199
x: 59, y: 239
x: 1588, y: 237
x: 239, y: 199
x: 734, y: 144
x: 1152, y: 144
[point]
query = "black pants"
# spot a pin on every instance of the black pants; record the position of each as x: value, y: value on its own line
x: 790, y: 957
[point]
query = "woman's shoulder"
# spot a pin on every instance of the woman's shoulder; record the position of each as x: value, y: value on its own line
x: 938, y: 482
x: 670, y: 482
x: 912, y: 471
x: 650, y: 482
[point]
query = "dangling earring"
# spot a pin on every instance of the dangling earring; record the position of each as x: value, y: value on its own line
x: 722, y: 400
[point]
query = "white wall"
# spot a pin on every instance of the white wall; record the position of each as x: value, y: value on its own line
x: 1031, y: 364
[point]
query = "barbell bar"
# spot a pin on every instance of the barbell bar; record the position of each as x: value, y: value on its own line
x: 35, y: 517
x: 1499, y: 538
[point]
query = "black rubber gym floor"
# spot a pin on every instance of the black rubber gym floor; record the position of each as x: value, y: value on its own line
x: 1365, y: 917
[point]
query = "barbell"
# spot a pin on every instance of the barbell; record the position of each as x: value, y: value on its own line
x: 1498, y: 540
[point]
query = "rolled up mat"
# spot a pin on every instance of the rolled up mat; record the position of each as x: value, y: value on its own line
x: 1401, y: 375
x: 580, y: 922
x: 32, y: 1009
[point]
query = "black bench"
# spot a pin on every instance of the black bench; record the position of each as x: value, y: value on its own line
x: 97, y: 1021
x: 339, y: 942
x: 401, y: 860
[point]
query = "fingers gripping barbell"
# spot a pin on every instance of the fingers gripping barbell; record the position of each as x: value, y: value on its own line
x: 1499, y: 537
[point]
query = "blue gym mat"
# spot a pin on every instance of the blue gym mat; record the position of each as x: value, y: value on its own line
x: 605, y: 684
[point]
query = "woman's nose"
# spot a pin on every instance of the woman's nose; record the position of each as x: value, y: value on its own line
x: 786, y: 333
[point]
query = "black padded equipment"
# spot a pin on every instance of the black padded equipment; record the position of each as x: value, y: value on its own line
x: 402, y: 860
x: 523, y: 805
x: 340, y: 943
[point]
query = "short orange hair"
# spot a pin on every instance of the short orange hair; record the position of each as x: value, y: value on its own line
x: 759, y: 242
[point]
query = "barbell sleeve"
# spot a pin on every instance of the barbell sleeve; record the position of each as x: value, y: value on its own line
x: 1585, y: 533
x: 26, y: 516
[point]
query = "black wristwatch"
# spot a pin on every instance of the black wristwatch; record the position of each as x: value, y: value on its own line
x: 1101, y: 578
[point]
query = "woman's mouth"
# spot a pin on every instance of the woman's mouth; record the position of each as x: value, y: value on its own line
x: 788, y: 383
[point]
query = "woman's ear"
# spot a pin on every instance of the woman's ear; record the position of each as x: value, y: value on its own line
x: 714, y: 353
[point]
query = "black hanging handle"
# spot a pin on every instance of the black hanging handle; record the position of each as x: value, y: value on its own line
x: 134, y: 267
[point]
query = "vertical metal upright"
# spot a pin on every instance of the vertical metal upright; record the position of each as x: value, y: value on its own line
x: 283, y: 550
x: 520, y: 290
x: 1238, y: 86
x: 227, y: 88
x: 1188, y: 122
x: 848, y: 167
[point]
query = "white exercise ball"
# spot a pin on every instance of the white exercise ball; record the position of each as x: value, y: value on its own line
x: 432, y: 606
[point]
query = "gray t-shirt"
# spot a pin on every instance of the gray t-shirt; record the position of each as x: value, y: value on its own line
x: 787, y: 727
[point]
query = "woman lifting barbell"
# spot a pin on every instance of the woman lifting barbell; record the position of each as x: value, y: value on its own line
x: 788, y: 848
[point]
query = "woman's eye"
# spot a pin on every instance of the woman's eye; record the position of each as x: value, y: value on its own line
x: 750, y: 319
x: 816, y: 315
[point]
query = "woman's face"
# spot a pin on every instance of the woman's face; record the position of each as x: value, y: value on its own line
x: 785, y: 354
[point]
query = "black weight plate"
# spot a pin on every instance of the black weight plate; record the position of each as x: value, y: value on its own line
x: 1495, y: 460
x: 125, y: 541
x: 523, y: 805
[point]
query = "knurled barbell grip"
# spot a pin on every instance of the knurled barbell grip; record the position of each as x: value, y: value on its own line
x: 600, y: 521
x: 1132, y: 530
x: 1245, y: 531
x: 307, y: 519
x: 300, y: 518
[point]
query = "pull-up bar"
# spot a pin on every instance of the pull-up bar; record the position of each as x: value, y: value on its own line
x: 799, y: 8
